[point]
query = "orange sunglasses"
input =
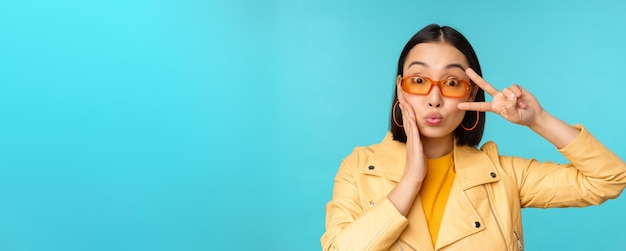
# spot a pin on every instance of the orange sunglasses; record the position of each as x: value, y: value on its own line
x: 451, y: 88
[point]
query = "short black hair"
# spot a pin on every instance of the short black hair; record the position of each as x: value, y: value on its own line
x: 445, y: 34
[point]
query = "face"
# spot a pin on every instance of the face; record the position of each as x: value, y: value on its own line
x: 437, y: 116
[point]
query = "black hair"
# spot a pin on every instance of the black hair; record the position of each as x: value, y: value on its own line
x: 445, y: 34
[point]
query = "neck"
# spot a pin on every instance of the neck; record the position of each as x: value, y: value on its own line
x: 437, y: 147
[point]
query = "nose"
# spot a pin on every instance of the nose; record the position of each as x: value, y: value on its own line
x: 435, y: 105
x: 434, y: 97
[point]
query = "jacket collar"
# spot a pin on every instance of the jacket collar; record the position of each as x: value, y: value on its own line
x: 388, y: 160
x: 472, y: 166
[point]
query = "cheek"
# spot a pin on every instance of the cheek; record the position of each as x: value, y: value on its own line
x: 458, y: 115
x: 455, y: 112
x: 417, y: 102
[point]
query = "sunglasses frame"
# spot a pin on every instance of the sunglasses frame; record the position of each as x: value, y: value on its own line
x: 468, y: 86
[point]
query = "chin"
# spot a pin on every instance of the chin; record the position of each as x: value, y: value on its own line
x: 436, y: 132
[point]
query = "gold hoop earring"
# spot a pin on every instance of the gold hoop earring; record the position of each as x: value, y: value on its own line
x: 393, y: 114
x: 475, y: 124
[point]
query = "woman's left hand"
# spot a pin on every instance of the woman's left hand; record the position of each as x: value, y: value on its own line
x: 514, y: 103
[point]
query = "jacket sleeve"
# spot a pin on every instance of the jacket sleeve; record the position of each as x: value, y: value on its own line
x: 348, y: 225
x: 594, y: 175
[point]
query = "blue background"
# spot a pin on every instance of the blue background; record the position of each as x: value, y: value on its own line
x: 195, y: 125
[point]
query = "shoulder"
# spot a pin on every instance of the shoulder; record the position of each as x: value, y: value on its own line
x: 356, y: 161
x: 486, y: 154
x: 490, y: 148
x: 361, y: 155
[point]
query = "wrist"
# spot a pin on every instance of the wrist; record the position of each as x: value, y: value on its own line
x: 557, y: 132
x: 413, y: 179
x: 540, y: 120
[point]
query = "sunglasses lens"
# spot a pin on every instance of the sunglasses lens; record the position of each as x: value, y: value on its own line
x: 454, y: 88
x: 416, y: 85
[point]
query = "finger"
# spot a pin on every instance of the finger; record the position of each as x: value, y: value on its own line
x: 475, y: 106
x: 411, y: 129
x: 403, y: 105
x: 403, y: 110
x: 414, y: 120
x: 511, y: 103
x: 407, y: 112
x: 514, y: 93
x: 513, y: 89
x: 401, y: 98
x: 478, y: 80
x: 408, y: 119
x: 508, y: 93
x: 517, y: 90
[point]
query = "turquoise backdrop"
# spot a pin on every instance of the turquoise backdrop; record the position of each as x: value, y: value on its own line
x: 219, y: 125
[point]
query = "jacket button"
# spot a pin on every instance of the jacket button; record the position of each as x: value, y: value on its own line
x: 476, y: 224
x: 370, y: 167
x: 493, y: 174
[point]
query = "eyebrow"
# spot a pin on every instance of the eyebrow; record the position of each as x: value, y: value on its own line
x: 426, y: 65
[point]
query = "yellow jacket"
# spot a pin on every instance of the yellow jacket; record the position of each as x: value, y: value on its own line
x: 483, y: 209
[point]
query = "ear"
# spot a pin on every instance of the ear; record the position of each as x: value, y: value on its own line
x: 399, y: 87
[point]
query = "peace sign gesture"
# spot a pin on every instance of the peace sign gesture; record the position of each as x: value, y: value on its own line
x: 514, y: 103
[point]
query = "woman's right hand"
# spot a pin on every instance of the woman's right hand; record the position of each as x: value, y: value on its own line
x: 403, y: 195
x: 416, y: 167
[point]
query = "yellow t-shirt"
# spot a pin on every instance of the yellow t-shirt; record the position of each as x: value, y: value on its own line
x: 435, y: 190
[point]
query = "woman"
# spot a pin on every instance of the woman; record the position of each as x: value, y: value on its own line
x: 427, y: 186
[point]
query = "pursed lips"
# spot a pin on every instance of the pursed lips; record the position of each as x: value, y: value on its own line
x: 434, y: 118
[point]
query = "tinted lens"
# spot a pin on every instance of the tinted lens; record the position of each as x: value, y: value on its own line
x: 416, y: 85
x: 452, y: 88
x: 455, y: 88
